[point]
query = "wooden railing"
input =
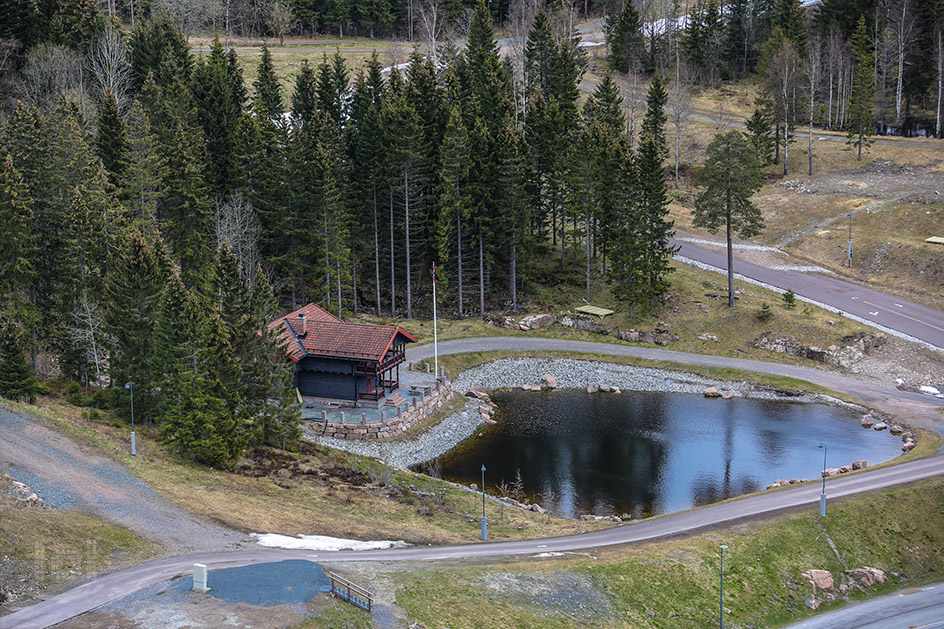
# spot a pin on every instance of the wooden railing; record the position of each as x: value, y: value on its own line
x: 353, y: 594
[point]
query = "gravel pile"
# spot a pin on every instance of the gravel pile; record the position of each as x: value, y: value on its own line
x: 514, y: 372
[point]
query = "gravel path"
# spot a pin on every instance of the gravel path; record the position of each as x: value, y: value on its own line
x: 514, y: 372
x: 69, y: 475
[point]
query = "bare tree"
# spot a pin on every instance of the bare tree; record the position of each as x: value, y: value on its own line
x: 432, y: 24
x: 109, y: 68
x: 50, y: 71
x: 680, y: 104
x: 782, y: 85
x: 238, y: 226
x: 190, y: 15
x: 519, y: 20
x: 939, y: 33
x: 87, y: 333
x: 633, y: 101
x: 903, y: 24
x: 280, y: 20
x: 813, y: 68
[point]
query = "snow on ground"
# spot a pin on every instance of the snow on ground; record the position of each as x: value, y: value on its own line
x: 321, y: 542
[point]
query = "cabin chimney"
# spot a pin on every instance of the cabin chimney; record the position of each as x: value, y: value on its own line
x: 304, y: 322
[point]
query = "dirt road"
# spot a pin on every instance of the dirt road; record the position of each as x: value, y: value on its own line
x: 69, y: 475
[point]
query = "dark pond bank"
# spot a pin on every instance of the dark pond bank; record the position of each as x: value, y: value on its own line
x: 649, y: 453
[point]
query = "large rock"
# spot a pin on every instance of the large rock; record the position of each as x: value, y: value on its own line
x: 895, y: 430
x: 860, y: 465
x: 709, y: 337
x: 867, y: 421
x: 867, y: 576
x: 880, y: 426
x: 538, y: 509
x: 712, y: 392
x: 604, y: 388
x: 24, y: 495
x: 549, y: 381
x: 478, y: 392
x: 907, y: 447
x: 845, y: 469
x: 530, y: 387
x: 615, y: 390
x: 820, y: 579
x: 536, y: 322
x: 727, y: 395
x: 593, y: 387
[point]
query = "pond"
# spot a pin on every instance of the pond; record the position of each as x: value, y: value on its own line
x: 646, y: 453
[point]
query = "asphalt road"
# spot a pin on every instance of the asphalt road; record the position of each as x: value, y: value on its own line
x: 921, y: 322
x: 911, y: 608
x: 113, y: 586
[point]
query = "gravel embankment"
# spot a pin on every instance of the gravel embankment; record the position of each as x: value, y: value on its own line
x: 514, y: 372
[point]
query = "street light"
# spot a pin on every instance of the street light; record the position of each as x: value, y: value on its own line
x: 822, y: 496
x: 484, y: 519
x: 849, y: 255
x: 130, y: 387
x: 721, y: 600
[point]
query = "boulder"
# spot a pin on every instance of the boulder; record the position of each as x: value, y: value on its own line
x: 908, y: 446
x: 593, y: 387
x: 819, y: 579
x: 860, y: 465
x: 895, y: 430
x: 907, y: 436
x: 867, y: 421
x: 709, y: 337
x: 830, y: 471
x: 24, y: 495
x: 604, y: 388
x: 538, y: 509
x: 478, y: 392
x: 488, y: 420
x: 794, y: 481
x: 536, y: 322
x: 867, y: 576
x: 549, y: 381
x: 530, y: 387
x: 812, y: 603
x: 727, y: 395
x: 712, y: 392
x: 880, y: 426
x: 845, y: 469
x: 487, y: 410
x: 615, y: 390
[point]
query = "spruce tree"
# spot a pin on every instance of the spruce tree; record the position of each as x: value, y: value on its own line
x: 17, y: 381
x: 268, y: 99
x: 304, y: 98
x: 112, y: 141
x: 653, y: 196
x: 212, y: 87
x: 144, y: 170
x: 759, y: 133
x: 451, y: 231
x: 861, y: 106
x: 17, y: 243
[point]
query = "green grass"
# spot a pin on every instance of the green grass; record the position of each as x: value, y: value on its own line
x: 59, y: 548
x: 676, y: 581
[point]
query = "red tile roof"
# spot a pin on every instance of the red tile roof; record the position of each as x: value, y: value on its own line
x: 328, y: 336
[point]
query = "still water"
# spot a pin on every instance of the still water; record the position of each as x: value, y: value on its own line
x: 650, y: 453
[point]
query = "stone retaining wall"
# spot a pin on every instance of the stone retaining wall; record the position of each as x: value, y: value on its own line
x: 397, y: 424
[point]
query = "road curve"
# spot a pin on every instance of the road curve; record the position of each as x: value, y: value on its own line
x: 914, y: 608
x: 95, y: 593
x: 921, y: 322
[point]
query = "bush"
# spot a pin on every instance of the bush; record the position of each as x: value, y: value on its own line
x: 74, y: 394
x: 765, y: 312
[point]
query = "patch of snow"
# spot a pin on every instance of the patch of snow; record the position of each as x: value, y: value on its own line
x: 929, y: 390
x: 802, y: 269
x: 585, y: 44
x: 321, y: 542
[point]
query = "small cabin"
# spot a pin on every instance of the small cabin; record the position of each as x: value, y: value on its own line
x: 350, y: 364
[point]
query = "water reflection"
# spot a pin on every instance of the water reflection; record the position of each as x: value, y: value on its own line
x: 650, y: 453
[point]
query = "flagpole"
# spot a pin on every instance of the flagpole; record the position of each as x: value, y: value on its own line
x: 435, y: 332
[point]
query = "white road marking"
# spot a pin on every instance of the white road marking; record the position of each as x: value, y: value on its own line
x: 874, y: 313
x: 899, y: 305
x: 905, y: 316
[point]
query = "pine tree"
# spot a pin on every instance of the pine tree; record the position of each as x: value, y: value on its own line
x: 159, y: 48
x: 861, y: 106
x: 17, y: 243
x: 627, y: 49
x: 268, y: 98
x: 453, y: 207
x: 17, y: 381
x: 112, y: 141
x: 730, y: 177
x: 217, y: 113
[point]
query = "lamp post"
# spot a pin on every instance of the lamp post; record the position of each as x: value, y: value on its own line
x: 484, y: 519
x: 822, y: 496
x: 130, y: 387
x: 721, y: 599
x: 849, y: 254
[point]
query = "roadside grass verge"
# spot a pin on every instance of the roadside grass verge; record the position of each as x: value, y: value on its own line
x: 44, y: 549
x: 675, y: 583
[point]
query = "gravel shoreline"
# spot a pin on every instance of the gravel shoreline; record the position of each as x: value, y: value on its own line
x: 570, y: 373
